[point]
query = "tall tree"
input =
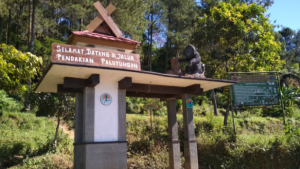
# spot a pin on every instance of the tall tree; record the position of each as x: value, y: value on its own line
x: 180, y: 23
x: 290, y: 41
x: 237, y: 37
x: 16, y: 67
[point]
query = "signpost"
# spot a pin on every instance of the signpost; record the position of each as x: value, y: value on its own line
x: 62, y: 53
x: 255, y: 89
x: 150, y: 107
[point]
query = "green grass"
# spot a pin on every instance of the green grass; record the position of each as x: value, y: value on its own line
x: 260, y: 142
x: 23, y: 136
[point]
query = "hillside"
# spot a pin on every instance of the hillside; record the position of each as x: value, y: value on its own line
x: 26, y: 141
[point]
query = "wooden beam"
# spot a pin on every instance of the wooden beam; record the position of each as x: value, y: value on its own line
x: 76, y: 83
x: 159, y: 89
x: 93, y: 80
x: 62, y: 89
x: 99, y: 19
x: 150, y: 95
x: 194, y: 89
x: 110, y: 9
x: 136, y: 87
x: 108, y: 20
x: 102, y: 29
x: 125, y: 83
x: 95, y: 23
x: 102, y: 42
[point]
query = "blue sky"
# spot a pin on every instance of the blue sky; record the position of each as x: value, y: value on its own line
x: 286, y: 13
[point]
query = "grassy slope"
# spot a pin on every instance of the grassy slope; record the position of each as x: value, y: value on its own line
x: 29, y: 139
x: 260, y: 143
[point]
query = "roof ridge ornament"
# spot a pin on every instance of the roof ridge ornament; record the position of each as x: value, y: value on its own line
x: 104, y: 16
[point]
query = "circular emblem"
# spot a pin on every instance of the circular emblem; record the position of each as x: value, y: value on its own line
x: 106, y: 99
x: 189, y: 103
x: 272, y: 78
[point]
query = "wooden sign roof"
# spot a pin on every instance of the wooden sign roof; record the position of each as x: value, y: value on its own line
x: 104, y: 16
x: 58, y: 71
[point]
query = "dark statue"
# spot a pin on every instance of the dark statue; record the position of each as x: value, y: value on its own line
x: 193, y: 59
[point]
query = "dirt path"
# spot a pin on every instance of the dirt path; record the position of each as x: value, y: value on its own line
x: 66, y: 129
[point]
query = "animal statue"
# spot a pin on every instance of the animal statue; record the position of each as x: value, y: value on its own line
x: 193, y: 59
x: 194, y: 66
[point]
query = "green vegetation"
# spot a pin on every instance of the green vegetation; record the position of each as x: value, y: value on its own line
x: 260, y: 142
x: 230, y: 35
x: 28, y: 140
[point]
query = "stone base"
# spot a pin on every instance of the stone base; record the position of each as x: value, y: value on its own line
x: 100, y: 155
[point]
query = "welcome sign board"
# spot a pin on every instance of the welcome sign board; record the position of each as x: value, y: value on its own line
x: 93, y: 56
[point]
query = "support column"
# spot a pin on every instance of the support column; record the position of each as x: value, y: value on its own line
x: 78, y: 151
x: 173, y: 142
x: 84, y: 130
x: 190, y: 143
x: 122, y: 115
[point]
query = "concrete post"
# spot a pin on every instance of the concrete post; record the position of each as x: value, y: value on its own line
x: 91, y: 154
x: 173, y: 143
x: 122, y: 115
x: 190, y: 143
x: 88, y: 114
x: 78, y: 160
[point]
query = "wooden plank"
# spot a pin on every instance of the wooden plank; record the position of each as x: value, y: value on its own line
x: 62, y: 89
x: 74, y: 83
x: 102, y: 42
x: 77, y: 83
x: 102, y: 29
x: 109, y: 21
x: 160, y: 89
x: 194, y: 89
x: 95, y: 23
x: 149, y: 95
x: 62, y: 53
x: 110, y: 9
x: 135, y: 87
x: 125, y: 83
x: 93, y: 80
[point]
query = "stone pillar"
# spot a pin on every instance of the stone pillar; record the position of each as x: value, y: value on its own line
x: 122, y: 116
x: 84, y: 127
x: 100, y: 141
x: 190, y: 143
x: 173, y: 143
x: 78, y: 157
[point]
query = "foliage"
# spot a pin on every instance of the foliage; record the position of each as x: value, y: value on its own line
x: 24, y: 136
x: 8, y: 104
x: 48, y: 104
x: 136, y: 105
x: 16, y: 68
x: 290, y: 45
x: 237, y: 37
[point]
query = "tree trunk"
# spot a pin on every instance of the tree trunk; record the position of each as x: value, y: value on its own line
x: 31, y: 46
x: 1, y: 27
x: 29, y: 24
x: 167, y: 53
x: 227, y: 112
x: 31, y: 49
x: 8, y: 27
x: 81, y: 23
x: 150, y: 51
x: 214, y: 102
x: 57, y: 126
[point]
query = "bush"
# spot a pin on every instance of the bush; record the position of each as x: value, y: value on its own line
x: 8, y: 104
